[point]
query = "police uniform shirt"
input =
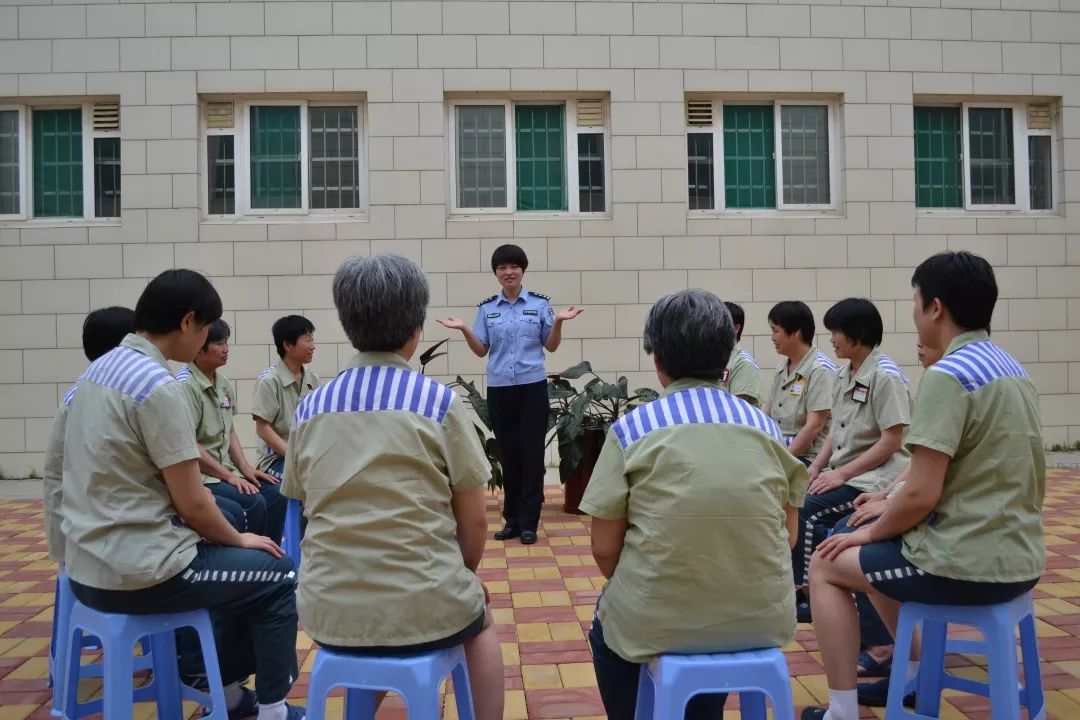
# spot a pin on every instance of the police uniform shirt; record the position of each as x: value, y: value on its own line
x: 127, y: 419
x: 806, y: 388
x: 515, y: 333
x: 875, y: 399
x: 742, y: 377
x: 978, y: 406
x: 277, y: 393
x: 213, y: 405
x: 381, y: 562
x: 703, y: 478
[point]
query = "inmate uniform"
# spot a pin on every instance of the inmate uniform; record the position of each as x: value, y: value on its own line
x: 806, y: 388
x: 213, y: 406
x: 983, y: 543
x: 515, y: 333
x: 127, y: 549
x: 865, y: 404
x: 705, y: 566
x: 277, y: 393
x: 53, y: 481
x: 383, y: 572
x: 742, y: 377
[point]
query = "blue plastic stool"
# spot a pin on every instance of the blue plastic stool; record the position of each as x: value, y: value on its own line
x: 290, y: 542
x: 415, y: 678
x: 668, y: 683
x: 118, y: 635
x: 998, y: 624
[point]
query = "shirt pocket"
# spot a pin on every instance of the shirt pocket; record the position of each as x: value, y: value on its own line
x: 530, y: 326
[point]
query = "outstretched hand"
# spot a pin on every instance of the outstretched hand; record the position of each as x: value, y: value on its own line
x: 452, y: 323
x: 569, y: 313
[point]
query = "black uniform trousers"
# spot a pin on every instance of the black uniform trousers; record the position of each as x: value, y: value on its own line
x: 519, y: 415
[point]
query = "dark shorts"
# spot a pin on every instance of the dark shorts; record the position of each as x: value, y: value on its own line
x: 891, y: 574
x: 474, y: 628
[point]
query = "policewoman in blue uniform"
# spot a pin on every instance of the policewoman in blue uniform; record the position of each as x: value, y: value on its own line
x: 513, y: 328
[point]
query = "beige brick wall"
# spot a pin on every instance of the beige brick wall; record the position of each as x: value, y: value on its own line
x: 403, y: 58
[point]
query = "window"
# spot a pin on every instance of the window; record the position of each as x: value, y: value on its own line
x: 291, y: 157
x: 754, y: 156
x: 529, y: 156
x: 984, y: 156
x: 60, y: 162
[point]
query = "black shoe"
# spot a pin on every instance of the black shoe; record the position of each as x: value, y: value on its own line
x: 813, y: 713
x: 508, y: 532
x: 528, y: 537
x: 876, y: 694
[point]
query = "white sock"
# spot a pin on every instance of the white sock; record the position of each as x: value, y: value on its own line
x: 843, y: 705
x: 912, y: 670
x: 233, y: 695
x: 273, y: 711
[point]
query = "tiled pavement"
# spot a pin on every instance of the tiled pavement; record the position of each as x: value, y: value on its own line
x: 543, y: 598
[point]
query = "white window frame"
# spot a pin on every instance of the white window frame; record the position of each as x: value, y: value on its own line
x: 1021, y: 172
x: 570, y: 140
x: 719, y: 155
x: 241, y: 132
x: 26, y: 163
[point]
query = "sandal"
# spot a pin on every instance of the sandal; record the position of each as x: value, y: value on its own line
x: 872, y: 668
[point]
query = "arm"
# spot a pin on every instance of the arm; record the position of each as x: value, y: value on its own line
x: 470, y: 512
x: 815, y: 421
x: 822, y: 459
x: 920, y: 495
x: 236, y: 453
x: 198, y: 509
x: 878, y: 454
x: 211, y: 467
x: 265, y: 431
x: 478, y: 346
x: 608, y: 537
x: 554, y: 338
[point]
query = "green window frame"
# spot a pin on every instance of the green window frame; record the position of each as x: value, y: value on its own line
x: 991, y: 156
x: 540, y: 135
x: 939, y: 152
x: 57, y: 159
x: 749, y: 157
x: 11, y: 152
x: 275, y: 157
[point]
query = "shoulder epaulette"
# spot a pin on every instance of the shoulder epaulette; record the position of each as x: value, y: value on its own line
x: 540, y: 295
x: 485, y: 301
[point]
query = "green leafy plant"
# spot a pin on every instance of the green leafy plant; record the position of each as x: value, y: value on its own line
x: 594, y: 407
x: 32, y: 474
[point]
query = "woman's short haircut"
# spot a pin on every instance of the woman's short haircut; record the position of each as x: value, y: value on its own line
x: 738, y: 316
x: 290, y: 329
x: 219, y: 331
x: 104, y: 328
x: 381, y: 301
x: 172, y: 295
x: 858, y: 319
x: 792, y: 315
x: 964, y: 283
x: 691, y: 335
x: 509, y: 255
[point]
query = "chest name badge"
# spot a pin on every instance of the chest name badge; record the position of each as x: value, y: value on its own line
x: 226, y: 403
x: 797, y: 386
x: 860, y: 394
x: 530, y: 312
x: 493, y: 315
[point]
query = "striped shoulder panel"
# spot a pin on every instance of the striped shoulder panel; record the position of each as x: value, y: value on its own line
x: 979, y: 364
x: 887, y: 364
x: 266, y: 373
x: 826, y: 362
x: 374, y: 388
x: 749, y: 358
x: 183, y: 373
x: 128, y: 371
x: 70, y: 394
x: 694, y: 406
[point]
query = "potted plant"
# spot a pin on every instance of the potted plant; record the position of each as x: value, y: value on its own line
x: 581, y: 418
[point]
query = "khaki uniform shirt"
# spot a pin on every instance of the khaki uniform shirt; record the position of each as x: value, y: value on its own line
x: 807, y: 388
x: 276, y: 396
x: 978, y: 406
x: 703, y: 479
x: 53, y: 481
x: 381, y: 562
x: 128, y: 419
x: 875, y: 399
x: 742, y: 377
x: 213, y: 406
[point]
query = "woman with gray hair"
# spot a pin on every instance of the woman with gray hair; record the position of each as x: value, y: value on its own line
x: 693, y: 501
x: 392, y: 478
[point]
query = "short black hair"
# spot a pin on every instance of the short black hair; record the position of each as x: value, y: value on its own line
x: 172, y: 295
x: 738, y: 316
x: 104, y: 328
x: 792, y: 315
x: 289, y: 329
x: 965, y: 284
x: 509, y: 255
x: 858, y: 319
x: 219, y: 331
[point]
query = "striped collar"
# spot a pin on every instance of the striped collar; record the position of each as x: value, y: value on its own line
x: 976, y: 361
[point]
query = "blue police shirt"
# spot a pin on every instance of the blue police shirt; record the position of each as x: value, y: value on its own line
x: 515, y: 333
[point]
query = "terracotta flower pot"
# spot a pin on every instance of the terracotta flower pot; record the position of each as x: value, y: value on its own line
x: 592, y: 439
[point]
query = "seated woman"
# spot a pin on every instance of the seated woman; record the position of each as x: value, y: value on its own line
x: 396, y: 523
x: 697, y: 559
x: 871, y: 409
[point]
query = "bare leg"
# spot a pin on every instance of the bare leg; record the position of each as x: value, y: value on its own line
x: 484, y: 655
x: 836, y: 621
